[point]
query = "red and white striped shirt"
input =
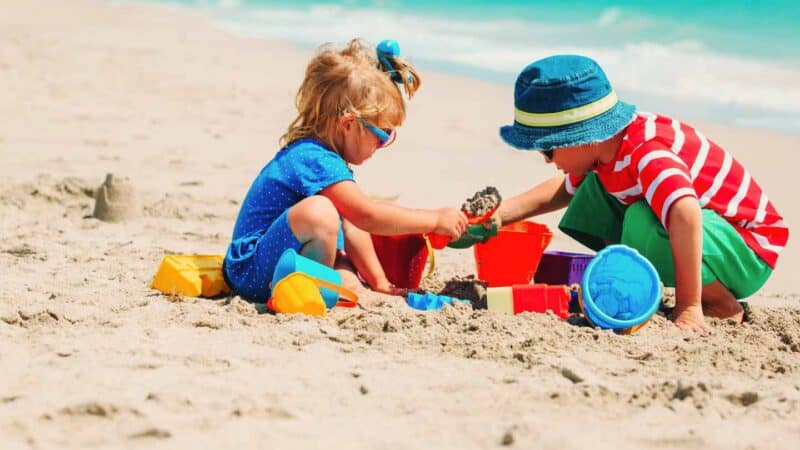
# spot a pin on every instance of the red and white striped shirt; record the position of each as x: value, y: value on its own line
x: 663, y: 160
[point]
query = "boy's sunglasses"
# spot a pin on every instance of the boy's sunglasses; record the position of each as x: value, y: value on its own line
x: 385, y: 135
x: 548, y: 154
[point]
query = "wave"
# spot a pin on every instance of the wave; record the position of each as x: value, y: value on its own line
x: 642, y: 64
x: 683, y: 68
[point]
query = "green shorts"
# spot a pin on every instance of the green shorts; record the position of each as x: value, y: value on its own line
x: 595, y: 218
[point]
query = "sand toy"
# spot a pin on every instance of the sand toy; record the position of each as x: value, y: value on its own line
x: 513, y: 256
x: 290, y: 262
x: 478, y: 209
x: 559, y: 267
x: 191, y: 275
x: 404, y: 258
x: 299, y: 293
x: 620, y: 290
x: 538, y: 298
x: 426, y: 301
x: 475, y: 234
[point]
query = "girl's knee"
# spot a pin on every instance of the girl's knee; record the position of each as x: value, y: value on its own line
x: 315, y: 216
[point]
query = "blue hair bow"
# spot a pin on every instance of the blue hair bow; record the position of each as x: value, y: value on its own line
x: 389, y: 48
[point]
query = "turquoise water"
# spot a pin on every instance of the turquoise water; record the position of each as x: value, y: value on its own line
x: 731, y: 61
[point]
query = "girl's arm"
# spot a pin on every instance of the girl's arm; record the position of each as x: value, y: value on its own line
x: 388, y: 219
x: 361, y: 252
x: 550, y: 195
x: 686, y: 241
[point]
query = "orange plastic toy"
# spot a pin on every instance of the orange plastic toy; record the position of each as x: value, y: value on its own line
x: 513, y: 256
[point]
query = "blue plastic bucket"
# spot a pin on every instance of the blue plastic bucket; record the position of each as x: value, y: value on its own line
x: 290, y: 261
x: 621, y: 290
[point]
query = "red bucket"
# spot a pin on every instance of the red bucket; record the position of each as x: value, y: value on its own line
x: 403, y: 258
x: 513, y: 255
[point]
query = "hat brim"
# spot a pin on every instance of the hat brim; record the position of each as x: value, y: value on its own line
x: 596, y: 129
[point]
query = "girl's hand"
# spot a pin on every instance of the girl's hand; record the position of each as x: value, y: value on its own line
x: 385, y: 287
x: 450, y: 222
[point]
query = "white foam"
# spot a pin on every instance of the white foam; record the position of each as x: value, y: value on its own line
x: 685, y: 70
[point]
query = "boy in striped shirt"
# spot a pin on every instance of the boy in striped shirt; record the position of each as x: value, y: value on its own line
x: 646, y: 181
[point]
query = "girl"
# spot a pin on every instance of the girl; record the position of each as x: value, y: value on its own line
x: 306, y: 198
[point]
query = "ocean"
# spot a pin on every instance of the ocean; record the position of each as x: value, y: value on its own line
x: 735, y: 62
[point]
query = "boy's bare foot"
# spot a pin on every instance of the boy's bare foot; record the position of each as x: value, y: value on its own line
x: 690, y: 319
x: 719, y: 302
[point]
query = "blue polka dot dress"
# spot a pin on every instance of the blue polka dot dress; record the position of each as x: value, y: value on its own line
x: 262, y: 232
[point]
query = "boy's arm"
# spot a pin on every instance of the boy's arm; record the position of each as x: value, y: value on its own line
x: 550, y: 195
x: 686, y: 241
x: 361, y: 252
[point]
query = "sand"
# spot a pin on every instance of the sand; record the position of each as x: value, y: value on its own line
x: 93, y: 358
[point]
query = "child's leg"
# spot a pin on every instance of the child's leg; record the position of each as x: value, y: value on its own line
x: 348, y: 272
x: 730, y: 269
x: 315, y: 223
x: 720, y: 302
x: 250, y: 261
x: 593, y: 218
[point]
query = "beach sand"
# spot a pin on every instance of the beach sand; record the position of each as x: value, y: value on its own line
x: 91, y: 357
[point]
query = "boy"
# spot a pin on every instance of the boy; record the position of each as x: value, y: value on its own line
x: 646, y: 181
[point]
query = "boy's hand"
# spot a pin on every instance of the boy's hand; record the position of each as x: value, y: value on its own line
x: 450, y: 222
x: 494, y: 220
x: 690, y: 319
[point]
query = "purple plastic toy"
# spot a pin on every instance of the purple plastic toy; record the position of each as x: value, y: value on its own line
x: 559, y: 267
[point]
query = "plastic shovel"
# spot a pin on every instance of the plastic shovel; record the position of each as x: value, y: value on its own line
x: 471, y: 236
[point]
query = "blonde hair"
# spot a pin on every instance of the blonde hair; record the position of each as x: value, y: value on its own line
x: 348, y: 80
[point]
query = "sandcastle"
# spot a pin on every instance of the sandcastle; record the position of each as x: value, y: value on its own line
x: 116, y: 200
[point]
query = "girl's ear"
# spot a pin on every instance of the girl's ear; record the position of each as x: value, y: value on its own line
x: 346, y: 121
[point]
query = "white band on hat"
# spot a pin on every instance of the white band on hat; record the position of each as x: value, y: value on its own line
x: 568, y: 116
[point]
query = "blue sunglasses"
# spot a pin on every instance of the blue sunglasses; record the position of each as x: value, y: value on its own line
x: 385, y: 136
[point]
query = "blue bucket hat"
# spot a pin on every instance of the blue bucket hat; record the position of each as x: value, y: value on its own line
x: 563, y: 101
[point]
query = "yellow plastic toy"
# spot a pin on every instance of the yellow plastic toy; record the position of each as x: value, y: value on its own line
x: 191, y: 275
x: 299, y: 293
x: 500, y: 299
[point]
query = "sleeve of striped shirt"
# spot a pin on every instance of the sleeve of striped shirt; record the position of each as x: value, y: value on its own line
x: 663, y: 176
x: 572, y: 182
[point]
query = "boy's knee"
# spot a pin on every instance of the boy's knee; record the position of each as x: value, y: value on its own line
x: 639, y: 212
x: 640, y: 224
x: 642, y: 230
x: 315, y: 216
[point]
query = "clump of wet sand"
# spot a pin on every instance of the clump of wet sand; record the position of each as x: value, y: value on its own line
x: 482, y: 202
